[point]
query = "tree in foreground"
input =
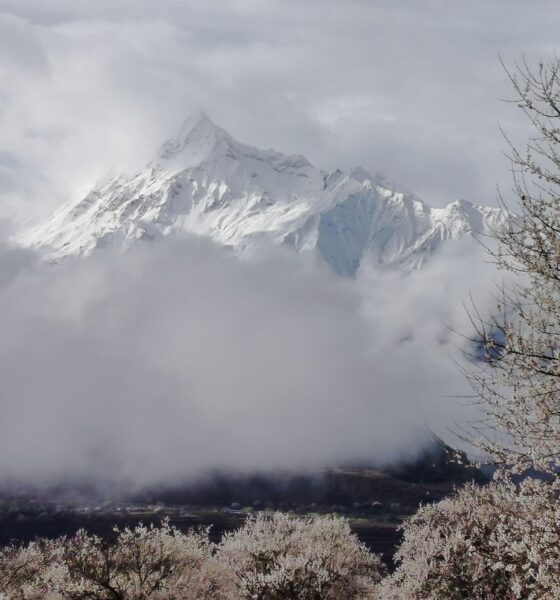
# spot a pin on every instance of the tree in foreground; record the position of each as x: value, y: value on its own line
x: 270, y: 558
x: 518, y: 385
x: 144, y: 563
x: 278, y: 557
x: 499, y: 542
x: 28, y: 573
x: 502, y: 541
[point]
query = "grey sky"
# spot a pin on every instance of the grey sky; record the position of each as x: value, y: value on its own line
x: 410, y: 89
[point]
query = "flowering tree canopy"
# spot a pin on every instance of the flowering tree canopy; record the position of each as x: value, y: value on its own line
x: 500, y: 541
x: 275, y: 558
x: 518, y: 384
x: 271, y: 557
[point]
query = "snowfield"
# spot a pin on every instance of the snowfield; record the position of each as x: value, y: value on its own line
x: 203, y: 182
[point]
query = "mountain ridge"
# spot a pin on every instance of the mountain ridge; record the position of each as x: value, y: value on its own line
x: 204, y: 182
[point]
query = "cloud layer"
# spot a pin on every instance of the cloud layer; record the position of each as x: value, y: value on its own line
x: 178, y: 358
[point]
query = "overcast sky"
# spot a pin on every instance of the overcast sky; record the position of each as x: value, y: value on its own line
x: 407, y: 88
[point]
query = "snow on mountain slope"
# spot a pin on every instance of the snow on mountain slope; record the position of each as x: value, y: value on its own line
x: 204, y: 182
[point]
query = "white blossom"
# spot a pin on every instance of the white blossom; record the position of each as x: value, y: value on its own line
x: 499, y: 542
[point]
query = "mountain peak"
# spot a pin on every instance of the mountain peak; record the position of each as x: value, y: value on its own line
x: 198, y: 133
x: 200, y: 124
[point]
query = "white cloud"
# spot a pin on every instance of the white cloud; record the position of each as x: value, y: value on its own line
x: 178, y: 358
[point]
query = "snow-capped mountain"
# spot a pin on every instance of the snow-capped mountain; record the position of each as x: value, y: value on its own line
x: 206, y: 183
